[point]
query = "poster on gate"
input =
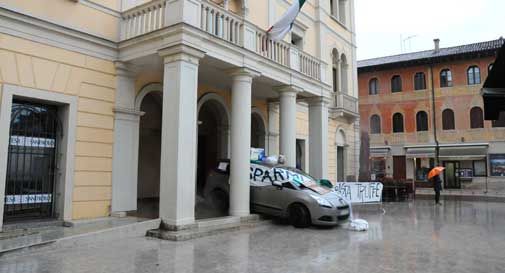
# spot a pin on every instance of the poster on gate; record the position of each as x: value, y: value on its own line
x: 360, y: 192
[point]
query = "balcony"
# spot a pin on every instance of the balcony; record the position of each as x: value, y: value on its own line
x: 345, y: 106
x: 227, y: 26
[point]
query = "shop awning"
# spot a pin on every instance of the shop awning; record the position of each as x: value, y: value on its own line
x: 493, y: 90
x: 463, y: 152
x: 379, y: 151
x: 420, y: 152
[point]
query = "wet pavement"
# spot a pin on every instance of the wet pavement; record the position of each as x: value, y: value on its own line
x: 409, y: 237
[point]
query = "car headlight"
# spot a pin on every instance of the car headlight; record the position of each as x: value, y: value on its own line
x: 322, y: 202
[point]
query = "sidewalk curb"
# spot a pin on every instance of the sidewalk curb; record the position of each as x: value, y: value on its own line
x: 462, y: 197
x: 138, y: 229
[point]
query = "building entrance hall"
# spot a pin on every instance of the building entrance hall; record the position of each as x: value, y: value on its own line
x: 213, y: 128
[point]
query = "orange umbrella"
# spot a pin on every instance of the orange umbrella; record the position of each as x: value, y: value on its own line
x: 435, y: 171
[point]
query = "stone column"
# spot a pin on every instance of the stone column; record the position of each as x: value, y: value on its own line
x: 318, y: 137
x: 240, y: 140
x: 179, y: 136
x: 288, y: 123
x: 273, y: 128
x: 125, y: 150
x: 338, y: 66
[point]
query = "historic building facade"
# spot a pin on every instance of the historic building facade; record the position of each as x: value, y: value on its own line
x: 106, y: 104
x: 425, y: 107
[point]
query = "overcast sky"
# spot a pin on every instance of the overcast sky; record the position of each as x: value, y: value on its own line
x: 381, y: 24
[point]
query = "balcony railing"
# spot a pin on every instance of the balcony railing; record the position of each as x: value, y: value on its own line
x: 221, y: 23
x: 143, y: 19
x: 228, y: 26
x: 346, y: 103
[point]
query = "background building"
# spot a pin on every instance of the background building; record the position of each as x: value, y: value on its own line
x: 405, y: 121
x: 123, y: 105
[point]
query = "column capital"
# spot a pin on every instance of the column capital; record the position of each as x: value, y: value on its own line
x: 124, y: 69
x: 318, y: 101
x: 181, y: 52
x: 287, y: 90
x: 243, y: 71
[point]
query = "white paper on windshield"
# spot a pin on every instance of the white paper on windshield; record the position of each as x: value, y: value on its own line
x: 222, y: 166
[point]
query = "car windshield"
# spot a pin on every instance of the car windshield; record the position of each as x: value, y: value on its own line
x: 305, y: 180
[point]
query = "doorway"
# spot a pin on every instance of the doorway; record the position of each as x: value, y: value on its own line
x: 213, y: 133
x: 148, y: 183
x: 257, y: 131
x: 340, y: 164
x: 399, y: 168
x: 300, y: 154
x: 341, y: 143
x: 35, y: 132
x: 451, y: 180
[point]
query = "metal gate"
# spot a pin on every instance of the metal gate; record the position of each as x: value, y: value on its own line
x: 31, y: 166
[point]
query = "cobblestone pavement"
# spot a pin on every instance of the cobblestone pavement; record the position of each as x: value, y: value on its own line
x: 409, y: 237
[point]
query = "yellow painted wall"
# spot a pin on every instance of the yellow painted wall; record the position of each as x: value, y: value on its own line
x: 71, y: 14
x: 92, y: 80
x: 111, y: 4
x: 258, y: 13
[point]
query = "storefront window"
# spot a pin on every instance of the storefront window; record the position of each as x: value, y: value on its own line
x: 378, y: 168
x: 422, y: 169
x: 479, y: 168
x: 497, y: 164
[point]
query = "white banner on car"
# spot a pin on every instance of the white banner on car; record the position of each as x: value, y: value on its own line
x: 360, y: 192
x: 265, y: 176
x: 28, y: 199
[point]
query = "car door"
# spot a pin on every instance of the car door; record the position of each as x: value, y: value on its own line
x: 263, y: 193
x: 269, y: 199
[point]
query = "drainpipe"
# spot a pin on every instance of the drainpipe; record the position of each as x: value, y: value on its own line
x: 434, y: 117
x: 433, y: 105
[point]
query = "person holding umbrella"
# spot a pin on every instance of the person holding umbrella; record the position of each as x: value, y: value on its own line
x: 434, y: 176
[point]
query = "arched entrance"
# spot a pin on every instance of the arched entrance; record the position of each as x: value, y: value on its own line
x: 150, y: 101
x: 341, y: 155
x: 213, y: 134
x: 258, y: 131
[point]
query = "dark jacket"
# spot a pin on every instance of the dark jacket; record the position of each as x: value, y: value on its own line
x: 437, y: 183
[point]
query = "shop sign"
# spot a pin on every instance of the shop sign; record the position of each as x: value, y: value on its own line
x: 497, y: 164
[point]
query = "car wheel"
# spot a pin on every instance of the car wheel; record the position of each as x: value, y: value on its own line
x: 299, y: 216
x: 220, y: 200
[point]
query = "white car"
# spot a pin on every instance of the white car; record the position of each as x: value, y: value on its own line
x: 284, y: 192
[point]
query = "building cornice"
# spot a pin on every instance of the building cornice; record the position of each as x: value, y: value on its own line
x: 36, y: 29
x: 99, y: 7
x: 151, y: 42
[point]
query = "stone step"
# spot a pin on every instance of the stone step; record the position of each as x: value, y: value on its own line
x: 215, y: 222
x: 208, y: 227
x: 83, y: 233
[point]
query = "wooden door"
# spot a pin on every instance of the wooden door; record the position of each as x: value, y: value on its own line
x: 399, y: 168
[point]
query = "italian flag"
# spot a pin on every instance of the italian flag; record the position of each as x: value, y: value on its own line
x: 284, y: 25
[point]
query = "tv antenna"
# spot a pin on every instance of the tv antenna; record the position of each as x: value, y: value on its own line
x: 406, y: 41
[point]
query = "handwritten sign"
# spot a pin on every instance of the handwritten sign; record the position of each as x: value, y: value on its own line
x: 264, y: 176
x: 261, y: 176
x: 360, y: 192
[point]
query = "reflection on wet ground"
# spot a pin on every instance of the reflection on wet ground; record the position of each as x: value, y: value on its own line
x: 409, y: 237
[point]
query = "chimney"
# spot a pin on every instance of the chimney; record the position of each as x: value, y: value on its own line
x: 437, y: 45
